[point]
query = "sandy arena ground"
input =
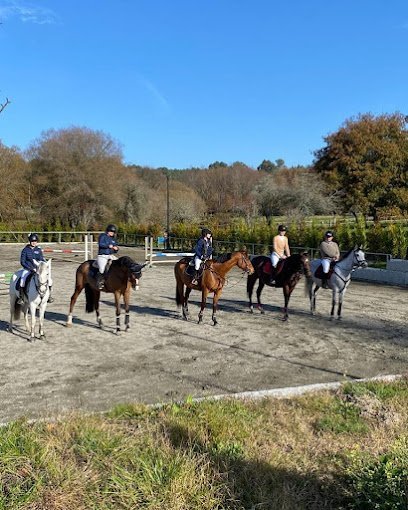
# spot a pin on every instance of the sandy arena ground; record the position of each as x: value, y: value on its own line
x: 164, y: 358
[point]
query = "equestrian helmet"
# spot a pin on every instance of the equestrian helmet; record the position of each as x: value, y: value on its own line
x: 329, y: 233
x: 205, y: 231
x: 111, y: 228
x: 33, y: 237
x: 282, y: 228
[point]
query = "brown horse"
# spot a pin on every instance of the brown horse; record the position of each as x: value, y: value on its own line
x: 289, y: 272
x: 122, y: 276
x: 213, y: 279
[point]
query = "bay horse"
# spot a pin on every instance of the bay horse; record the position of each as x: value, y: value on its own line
x: 338, y: 280
x: 289, y: 272
x: 35, y: 297
x: 121, y: 277
x: 212, y: 279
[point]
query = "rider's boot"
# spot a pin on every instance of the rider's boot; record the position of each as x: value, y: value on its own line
x: 50, y: 298
x: 100, y: 281
x: 20, y: 299
x: 194, y: 281
x: 324, y: 282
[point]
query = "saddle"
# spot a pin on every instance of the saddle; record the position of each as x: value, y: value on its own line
x: 319, y: 271
x: 270, y: 272
x: 27, y: 284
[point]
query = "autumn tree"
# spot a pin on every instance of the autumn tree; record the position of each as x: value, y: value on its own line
x: 15, y: 200
x: 365, y: 163
x: 77, y: 176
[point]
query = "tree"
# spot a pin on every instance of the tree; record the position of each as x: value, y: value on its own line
x: 269, y: 167
x: 77, y: 176
x: 365, y: 163
x: 15, y: 194
x: 3, y: 105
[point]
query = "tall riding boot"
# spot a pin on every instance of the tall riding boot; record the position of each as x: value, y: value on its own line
x: 194, y: 281
x: 20, y: 299
x: 50, y: 298
x: 324, y: 281
x: 100, y: 281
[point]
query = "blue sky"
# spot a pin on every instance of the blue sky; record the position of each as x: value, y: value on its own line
x: 183, y: 83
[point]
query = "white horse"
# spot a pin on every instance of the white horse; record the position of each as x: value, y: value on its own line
x: 339, y: 279
x: 38, y: 292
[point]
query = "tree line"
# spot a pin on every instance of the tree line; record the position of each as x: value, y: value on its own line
x: 76, y: 177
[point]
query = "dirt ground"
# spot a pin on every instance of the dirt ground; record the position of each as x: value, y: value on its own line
x: 163, y: 358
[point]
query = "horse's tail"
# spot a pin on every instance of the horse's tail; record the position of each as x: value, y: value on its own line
x: 179, y: 285
x: 90, y: 299
x: 17, y: 311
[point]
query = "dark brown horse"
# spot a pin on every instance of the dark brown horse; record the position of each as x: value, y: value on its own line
x: 288, y: 273
x: 122, y: 276
x: 213, y: 279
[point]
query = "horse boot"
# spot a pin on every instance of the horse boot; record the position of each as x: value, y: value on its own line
x: 100, y: 281
x: 324, y: 281
x: 50, y: 298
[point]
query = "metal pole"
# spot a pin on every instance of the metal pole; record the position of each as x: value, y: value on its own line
x: 168, y: 210
x: 86, y: 246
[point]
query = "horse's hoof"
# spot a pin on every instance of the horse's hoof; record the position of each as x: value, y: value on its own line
x: 251, y: 310
x: 68, y: 324
x: 284, y: 319
x: 42, y: 337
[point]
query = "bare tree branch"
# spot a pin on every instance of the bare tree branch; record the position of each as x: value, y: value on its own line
x: 3, y: 105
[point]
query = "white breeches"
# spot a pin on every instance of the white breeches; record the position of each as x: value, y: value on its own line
x: 197, y: 263
x: 326, y: 265
x: 275, y: 258
x: 25, y: 273
x: 102, y: 260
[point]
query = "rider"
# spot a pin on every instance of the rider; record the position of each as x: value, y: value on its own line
x: 329, y: 251
x: 107, y: 247
x: 31, y: 254
x: 202, y: 251
x: 280, y: 249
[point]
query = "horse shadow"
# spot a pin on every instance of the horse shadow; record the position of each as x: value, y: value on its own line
x: 256, y: 483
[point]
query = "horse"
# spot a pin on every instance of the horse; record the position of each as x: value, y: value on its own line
x: 212, y: 279
x: 36, y: 296
x: 288, y: 273
x: 338, y: 280
x: 122, y: 276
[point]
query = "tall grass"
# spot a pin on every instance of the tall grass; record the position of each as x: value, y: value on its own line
x: 327, y: 451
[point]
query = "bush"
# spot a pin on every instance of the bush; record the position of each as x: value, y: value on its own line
x: 381, y: 483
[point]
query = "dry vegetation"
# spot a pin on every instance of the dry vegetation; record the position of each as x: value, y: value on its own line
x: 334, y: 451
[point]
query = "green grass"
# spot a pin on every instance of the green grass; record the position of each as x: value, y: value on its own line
x: 326, y: 451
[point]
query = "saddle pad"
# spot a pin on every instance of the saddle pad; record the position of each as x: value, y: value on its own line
x: 267, y: 267
x: 319, y: 271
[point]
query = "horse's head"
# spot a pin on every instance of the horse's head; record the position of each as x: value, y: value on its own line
x: 135, y: 271
x: 359, y: 257
x: 305, y: 261
x: 42, y: 270
x: 244, y: 263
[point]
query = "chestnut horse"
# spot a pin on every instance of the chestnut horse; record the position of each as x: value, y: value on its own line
x: 213, y: 279
x: 289, y: 272
x: 122, y: 276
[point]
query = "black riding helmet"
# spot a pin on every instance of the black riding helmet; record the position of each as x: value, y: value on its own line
x: 111, y: 228
x: 33, y: 237
x: 282, y: 228
x: 205, y: 231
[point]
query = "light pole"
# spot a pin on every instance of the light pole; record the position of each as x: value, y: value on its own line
x: 168, y: 209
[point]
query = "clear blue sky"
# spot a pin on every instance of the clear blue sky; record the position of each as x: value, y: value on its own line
x: 183, y: 83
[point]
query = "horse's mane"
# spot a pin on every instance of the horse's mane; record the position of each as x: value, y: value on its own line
x: 347, y: 254
x: 124, y: 261
x: 294, y: 262
x: 223, y: 258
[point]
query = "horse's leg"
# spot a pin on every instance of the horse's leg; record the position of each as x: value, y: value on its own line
x: 334, y: 301
x: 204, y: 294
x: 126, y: 299
x: 78, y: 289
x: 117, y: 307
x: 97, y: 296
x: 340, y: 305
x: 186, y: 313
x: 216, y: 297
x: 250, y: 288
x: 258, y: 294
x: 41, y: 319
x: 312, y: 296
x: 33, y: 309
x: 287, y: 291
x: 13, y: 300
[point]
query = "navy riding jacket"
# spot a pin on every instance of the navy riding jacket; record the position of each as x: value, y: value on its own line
x: 103, y: 243
x: 29, y: 254
x: 203, y: 248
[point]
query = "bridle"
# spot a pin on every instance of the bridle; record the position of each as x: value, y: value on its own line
x: 357, y: 262
x: 41, y: 286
